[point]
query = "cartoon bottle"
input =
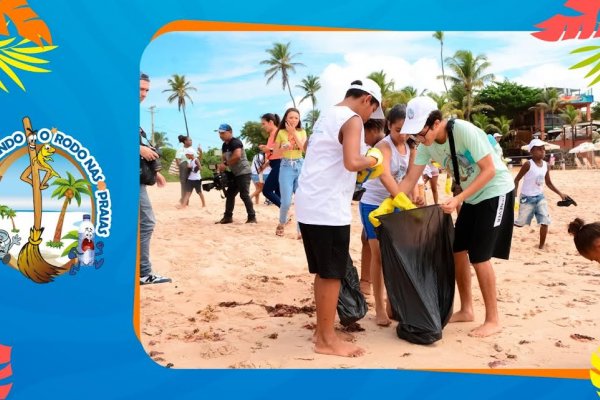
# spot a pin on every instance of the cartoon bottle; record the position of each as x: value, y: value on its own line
x: 86, y: 242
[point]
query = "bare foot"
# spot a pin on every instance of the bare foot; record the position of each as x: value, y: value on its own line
x: 365, y: 287
x: 383, y: 320
x: 345, y: 336
x: 462, y: 316
x: 487, y: 329
x: 388, y: 309
x: 339, y: 348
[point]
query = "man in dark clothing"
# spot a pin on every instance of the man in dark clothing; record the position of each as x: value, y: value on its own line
x: 234, y: 157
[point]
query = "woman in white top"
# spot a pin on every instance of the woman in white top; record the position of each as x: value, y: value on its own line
x: 192, y: 168
x: 397, y: 156
x: 186, y: 143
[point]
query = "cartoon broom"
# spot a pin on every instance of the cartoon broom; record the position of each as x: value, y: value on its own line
x: 30, y: 261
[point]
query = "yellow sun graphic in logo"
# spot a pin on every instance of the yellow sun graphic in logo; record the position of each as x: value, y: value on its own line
x: 595, y: 370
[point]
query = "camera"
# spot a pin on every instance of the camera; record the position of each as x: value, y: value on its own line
x: 219, y: 180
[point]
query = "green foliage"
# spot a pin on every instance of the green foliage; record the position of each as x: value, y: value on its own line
x: 481, y: 121
x: 180, y: 91
x: 281, y: 63
x: 160, y: 140
x: 72, y: 235
x: 252, y: 132
x: 509, y: 98
x: 596, y: 111
x: 594, y: 59
x: 209, y: 158
x: 54, y: 245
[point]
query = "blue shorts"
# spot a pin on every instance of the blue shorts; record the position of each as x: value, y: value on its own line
x: 530, y: 206
x: 255, y: 178
x: 364, y: 210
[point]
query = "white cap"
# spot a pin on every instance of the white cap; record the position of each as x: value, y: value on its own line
x: 189, y: 150
x: 536, y: 143
x: 417, y: 112
x: 497, y: 134
x: 369, y: 86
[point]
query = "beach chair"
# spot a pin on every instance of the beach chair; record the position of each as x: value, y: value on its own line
x: 578, y: 163
x: 587, y: 163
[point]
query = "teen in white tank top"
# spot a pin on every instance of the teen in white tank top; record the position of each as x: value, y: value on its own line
x: 533, y: 181
x: 375, y: 191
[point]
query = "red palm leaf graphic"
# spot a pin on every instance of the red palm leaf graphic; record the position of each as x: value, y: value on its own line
x: 6, y: 371
x: 571, y: 26
x: 27, y: 22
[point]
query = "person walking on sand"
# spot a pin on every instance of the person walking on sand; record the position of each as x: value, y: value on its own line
x: 260, y: 173
x: 323, y: 202
x: 194, y: 180
x: 270, y: 123
x: 586, y: 238
x: 532, y: 201
x: 181, y: 160
x: 485, y: 221
x: 290, y: 139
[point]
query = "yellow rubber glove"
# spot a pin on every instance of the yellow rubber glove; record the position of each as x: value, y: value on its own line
x: 386, y: 207
x: 402, y: 202
x: 448, y: 185
x: 517, y: 206
x: 374, y: 171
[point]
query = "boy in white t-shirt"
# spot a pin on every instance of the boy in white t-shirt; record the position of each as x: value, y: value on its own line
x: 323, y: 202
x: 532, y: 201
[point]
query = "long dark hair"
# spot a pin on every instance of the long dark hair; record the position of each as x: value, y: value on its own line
x: 584, y: 235
x: 289, y: 110
x: 271, y: 117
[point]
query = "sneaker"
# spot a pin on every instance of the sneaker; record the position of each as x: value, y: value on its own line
x: 268, y: 202
x: 225, y: 220
x: 251, y: 220
x: 153, y: 278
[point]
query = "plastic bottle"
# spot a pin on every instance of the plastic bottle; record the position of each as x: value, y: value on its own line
x: 86, y: 245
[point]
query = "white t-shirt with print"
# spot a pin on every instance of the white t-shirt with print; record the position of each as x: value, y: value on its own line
x: 325, y: 186
x: 471, y: 146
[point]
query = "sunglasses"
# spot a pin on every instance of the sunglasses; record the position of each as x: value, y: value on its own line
x: 420, y: 137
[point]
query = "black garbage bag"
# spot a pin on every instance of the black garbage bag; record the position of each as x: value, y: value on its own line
x: 352, y: 304
x: 418, y: 270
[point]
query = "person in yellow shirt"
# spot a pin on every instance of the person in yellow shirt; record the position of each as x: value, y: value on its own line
x: 290, y: 139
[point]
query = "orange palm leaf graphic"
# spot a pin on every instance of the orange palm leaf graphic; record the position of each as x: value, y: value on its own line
x: 27, y: 22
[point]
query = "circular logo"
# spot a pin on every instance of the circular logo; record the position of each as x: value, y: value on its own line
x: 410, y: 113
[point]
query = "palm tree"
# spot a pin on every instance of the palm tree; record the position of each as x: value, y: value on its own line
x: 68, y: 188
x: 387, y: 88
x: 179, y: 90
x: 469, y: 72
x: 281, y: 63
x: 3, y: 211
x: 311, y: 117
x: 311, y: 86
x: 550, y: 101
x: 10, y: 213
x: 439, y: 35
x: 481, y: 121
x: 446, y: 105
x: 502, y: 124
x: 161, y: 140
x: 571, y: 117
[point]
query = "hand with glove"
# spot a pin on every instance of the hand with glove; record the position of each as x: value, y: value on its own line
x: 448, y: 185
x: 386, y: 207
x: 376, y: 167
x: 402, y: 202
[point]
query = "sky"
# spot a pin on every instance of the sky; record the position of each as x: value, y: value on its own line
x: 231, y: 87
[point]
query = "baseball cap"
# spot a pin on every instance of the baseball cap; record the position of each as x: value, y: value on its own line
x: 497, y: 135
x: 224, y: 128
x: 417, y: 112
x: 536, y: 143
x: 369, y: 86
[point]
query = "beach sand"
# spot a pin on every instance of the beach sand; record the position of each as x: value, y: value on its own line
x: 226, y: 278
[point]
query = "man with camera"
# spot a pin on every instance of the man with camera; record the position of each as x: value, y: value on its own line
x: 149, y: 174
x: 234, y: 158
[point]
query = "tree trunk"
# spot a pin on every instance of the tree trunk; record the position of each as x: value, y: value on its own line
x: 61, y: 220
x: 290, y: 90
x: 13, y: 223
x: 442, y: 60
x: 185, y: 120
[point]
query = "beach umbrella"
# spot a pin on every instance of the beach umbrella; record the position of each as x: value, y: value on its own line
x: 583, y: 148
x: 547, y: 146
x: 30, y: 261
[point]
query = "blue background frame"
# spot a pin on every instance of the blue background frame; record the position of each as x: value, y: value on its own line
x: 74, y: 338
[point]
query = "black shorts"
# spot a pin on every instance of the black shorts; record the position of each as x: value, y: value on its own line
x: 485, y: 229
x: 193, y: 185
x: 327, y: 249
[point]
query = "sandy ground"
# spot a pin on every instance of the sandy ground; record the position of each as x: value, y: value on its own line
x: 549, y: 300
